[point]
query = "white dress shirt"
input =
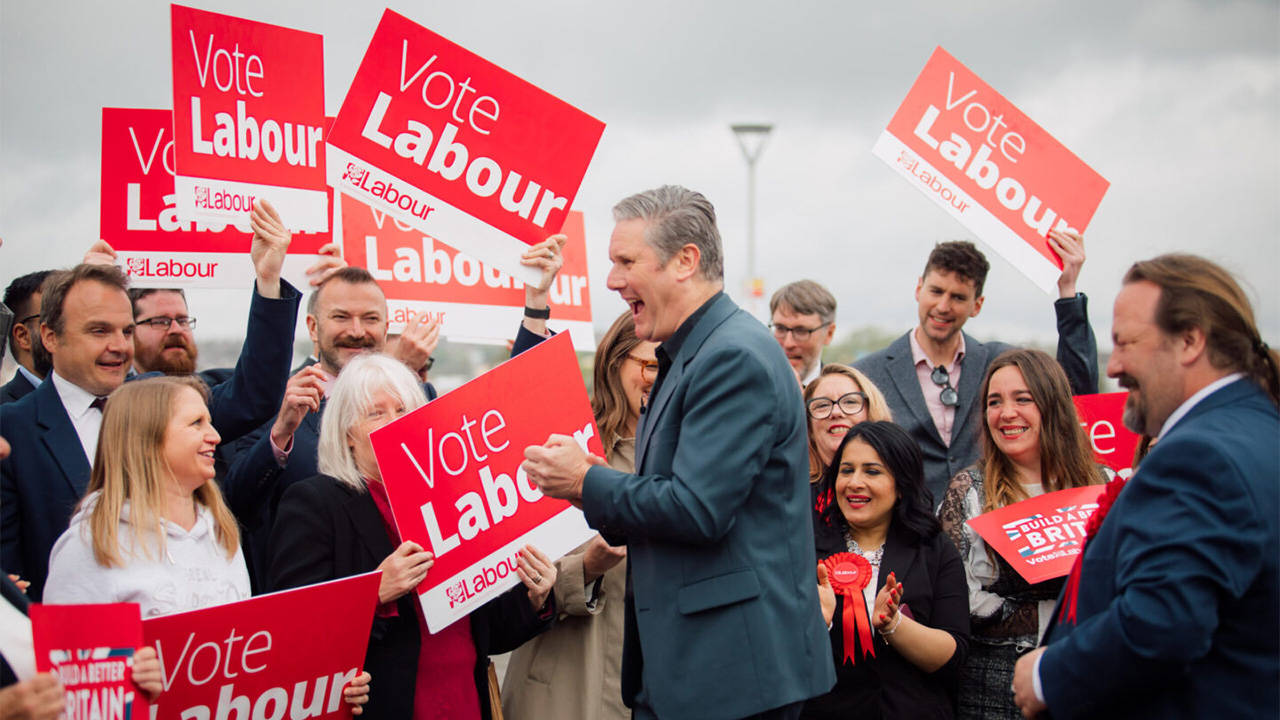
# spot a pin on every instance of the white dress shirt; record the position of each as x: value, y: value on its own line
x: 86, y: 420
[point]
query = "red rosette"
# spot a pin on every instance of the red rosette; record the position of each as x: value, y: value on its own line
x: 1067, y: 610
x: 849, y: 574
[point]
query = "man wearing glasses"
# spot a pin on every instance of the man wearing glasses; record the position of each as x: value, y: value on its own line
x: 23, y: 298
x: 803, y: 320
x: 931, y: 375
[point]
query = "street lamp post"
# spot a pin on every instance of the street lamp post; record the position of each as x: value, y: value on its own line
x: 751, y: 138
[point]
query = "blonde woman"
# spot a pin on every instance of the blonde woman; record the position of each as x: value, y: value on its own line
x: 839, y: 398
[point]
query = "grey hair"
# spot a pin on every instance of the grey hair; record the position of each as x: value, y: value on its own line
x: 677, y: 216
x: 350, y: 398
x: 805, y: 297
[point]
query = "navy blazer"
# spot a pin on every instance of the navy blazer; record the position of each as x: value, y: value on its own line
x: 1178, y: 611
x: 48, y: 472
x: 16, y: 389
x: 720, y: 556
x: 893, y: 372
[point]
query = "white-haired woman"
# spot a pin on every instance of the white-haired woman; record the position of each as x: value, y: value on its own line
x: 339, y: 523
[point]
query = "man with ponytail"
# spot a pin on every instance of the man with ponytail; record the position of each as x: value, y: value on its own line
x: 1173, y: 608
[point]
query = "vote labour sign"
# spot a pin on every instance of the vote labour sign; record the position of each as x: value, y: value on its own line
x: 1113, y: 444
x: 90, y: 648
x: 248, y: 119
x: 1040, y: 537
x: 1005, y: 178
x: 287, y: 654
x: 139, y: 216
x: 474, y: 301
x: 457, y: 147
x: 452, y: 473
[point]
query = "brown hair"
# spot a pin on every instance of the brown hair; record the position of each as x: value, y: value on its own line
x: 130, y: 465
x: 877, y: 408
x: 350, y: 275
x: 1065, y: 458
x: 1195, y: 292
x: 962, y: 258
x: 608, y: 399
x: 805, y: 297
x: 53, y: 294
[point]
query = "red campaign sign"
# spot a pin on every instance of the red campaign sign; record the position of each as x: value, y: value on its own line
x: 288, y: 652
x: 991, y: 167
x: 474, y: 300
x: 452, y: 472
x: 139, y: 215
x: 457, y: 147
x: 91, y: 649
x: 248, y: 118
x: 1113, y: 444
x: 1040, y: 537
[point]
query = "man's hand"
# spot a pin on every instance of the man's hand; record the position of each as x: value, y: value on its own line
x: 547, y: 256
x: 329, y: 263
x: 600, y: 557
x: 1069, y: 245
x: 147, y: 673
x: 270, y: 243
x: 302, y: 394
x: 558, y: 467
x: 1024, y: 691
x: 419, y: 340
x: 403, y: 570
x: 100, y: 253
x: 40, y: 698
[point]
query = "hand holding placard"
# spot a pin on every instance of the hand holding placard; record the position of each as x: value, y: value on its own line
x: 270, y: 244
x: 1069, y: 245
x: 417, y: 342
x: 403, y: 570
x: 147, y: 673
x: 538, y: 573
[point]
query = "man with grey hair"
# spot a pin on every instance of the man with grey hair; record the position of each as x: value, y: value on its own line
x: 802, y: 315
x: 721, y: 613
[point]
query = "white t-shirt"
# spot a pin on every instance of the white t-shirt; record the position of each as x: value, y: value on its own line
x: 191, y: 572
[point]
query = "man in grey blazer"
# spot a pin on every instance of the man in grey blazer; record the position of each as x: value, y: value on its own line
x: 931, y: 375
x: 722, y: 614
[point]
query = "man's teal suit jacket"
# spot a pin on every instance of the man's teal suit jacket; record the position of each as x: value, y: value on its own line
x: 722, y: 617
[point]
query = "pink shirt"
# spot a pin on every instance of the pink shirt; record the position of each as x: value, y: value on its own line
x: 944, y: 417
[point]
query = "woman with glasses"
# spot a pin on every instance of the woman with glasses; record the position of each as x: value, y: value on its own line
x: 840, y: 398
x: 1032, y: 443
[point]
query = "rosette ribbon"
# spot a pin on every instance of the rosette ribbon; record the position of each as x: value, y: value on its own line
x: 849, y: 574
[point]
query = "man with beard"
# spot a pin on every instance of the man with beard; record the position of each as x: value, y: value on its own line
x: 346, y: 316
x: 1173, y: 608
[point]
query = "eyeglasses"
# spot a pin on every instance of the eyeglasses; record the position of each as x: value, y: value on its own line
x: 801, y: 334
x: 29, y: 318
x: 648, y: 368
x: 850, y: 404
x: 942, y: 378
x: 162, y: 322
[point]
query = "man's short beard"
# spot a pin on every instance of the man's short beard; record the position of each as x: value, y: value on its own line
x: 183, y: 363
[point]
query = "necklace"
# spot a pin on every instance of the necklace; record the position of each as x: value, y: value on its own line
x: 874, y: 557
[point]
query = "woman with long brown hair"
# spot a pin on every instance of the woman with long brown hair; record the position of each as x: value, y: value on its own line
x: 1032, y: 443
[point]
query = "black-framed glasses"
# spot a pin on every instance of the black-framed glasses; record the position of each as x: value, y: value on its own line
x: 801, y: 334
x: 29, y: 318
x: 648, y: 368
x: 942, y: 379
x: 162, y: 322
x: 820, y: 408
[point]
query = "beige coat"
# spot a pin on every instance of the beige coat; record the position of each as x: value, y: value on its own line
x: 573, y: 671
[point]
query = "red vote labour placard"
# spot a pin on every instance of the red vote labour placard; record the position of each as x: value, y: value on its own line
x: 1113, y: 444
x: 139, y: 217
x: 248, y: 119
x: 976, y: 155
x: 1040, y: 537
x: 287, y: 654
x: 452, y: 472
x: 457, y: 147
x: 90, y: 647
x: 474, y: 301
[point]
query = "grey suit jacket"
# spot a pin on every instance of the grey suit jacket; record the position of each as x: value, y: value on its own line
x: 722, y: 617
x: 893, y: 372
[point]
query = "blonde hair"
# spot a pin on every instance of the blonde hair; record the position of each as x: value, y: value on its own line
x: 608, y: 398
x: 350, y: 398
x: 130, y: 465
x: 877, y: 408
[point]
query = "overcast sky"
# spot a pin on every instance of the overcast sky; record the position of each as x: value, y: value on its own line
x: 1176, y: 103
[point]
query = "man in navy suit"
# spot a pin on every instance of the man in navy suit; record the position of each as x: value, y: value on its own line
x: 87, y: 326
x: 721, y: 615
x: 23, y: 298
x: 931, y: 375
x: 346, y: 316
x: 1176, y: 610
